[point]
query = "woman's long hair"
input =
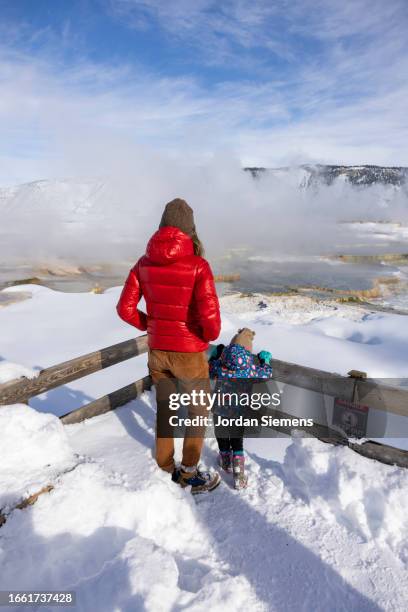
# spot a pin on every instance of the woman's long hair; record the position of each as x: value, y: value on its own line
x: 197, y: 244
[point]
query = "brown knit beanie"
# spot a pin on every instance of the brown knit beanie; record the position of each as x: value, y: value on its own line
x: 178, y: 213
x: 244, y: 338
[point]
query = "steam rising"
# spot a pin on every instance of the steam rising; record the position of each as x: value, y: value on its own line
x: 110, y: 216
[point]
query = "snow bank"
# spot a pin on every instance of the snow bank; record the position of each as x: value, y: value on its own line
x: 365, y: 496
x: 34, y: 448
x: 118, y: 548
x: 11, y: 371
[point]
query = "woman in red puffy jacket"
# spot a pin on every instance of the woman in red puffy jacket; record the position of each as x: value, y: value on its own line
x: 182, y: 316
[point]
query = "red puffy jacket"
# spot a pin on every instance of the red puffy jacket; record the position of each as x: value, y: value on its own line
x: 183, y: 313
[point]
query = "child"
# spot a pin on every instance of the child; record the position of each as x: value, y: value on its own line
x: 234, y: 366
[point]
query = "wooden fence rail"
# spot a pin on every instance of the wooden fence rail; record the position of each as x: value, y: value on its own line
x: 108, y: 402
x: 369, y: 392
x: 22, y: 389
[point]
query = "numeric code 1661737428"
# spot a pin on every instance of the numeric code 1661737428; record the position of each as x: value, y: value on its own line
x: 35, y: 598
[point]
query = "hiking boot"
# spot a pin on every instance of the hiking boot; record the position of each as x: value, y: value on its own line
x: 225, y: 461
x: 200, y: 482
x: 240, y: 477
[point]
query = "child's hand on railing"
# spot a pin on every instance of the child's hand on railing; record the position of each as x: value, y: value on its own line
x: 265, y: 357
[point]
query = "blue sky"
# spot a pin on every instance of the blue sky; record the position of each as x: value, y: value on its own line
x: 264, y: 82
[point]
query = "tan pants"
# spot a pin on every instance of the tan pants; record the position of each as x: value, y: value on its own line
x: 175, y: 372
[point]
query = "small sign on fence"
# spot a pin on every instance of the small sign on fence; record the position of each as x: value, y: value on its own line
x: 350, y: 417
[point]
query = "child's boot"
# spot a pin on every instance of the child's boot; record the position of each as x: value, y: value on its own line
x: 240, y: 477
x: 225, y: 460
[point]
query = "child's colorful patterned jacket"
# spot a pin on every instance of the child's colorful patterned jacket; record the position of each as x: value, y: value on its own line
x: 235, y: 371
x: 236, y: 362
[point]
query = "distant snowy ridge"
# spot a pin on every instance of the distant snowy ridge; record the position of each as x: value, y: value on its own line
x: 322, y: 174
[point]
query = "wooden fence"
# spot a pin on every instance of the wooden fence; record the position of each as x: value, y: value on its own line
x: 372, y: 394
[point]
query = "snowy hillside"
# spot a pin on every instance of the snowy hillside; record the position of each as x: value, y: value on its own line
x: 41, y: 193
x: 75, y: 220
x: 72, y: 198
x: 319, y: 528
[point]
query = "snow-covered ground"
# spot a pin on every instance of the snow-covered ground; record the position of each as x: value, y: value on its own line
x: 319, y: 528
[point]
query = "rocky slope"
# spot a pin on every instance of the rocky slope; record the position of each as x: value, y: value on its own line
x: 319, y: 174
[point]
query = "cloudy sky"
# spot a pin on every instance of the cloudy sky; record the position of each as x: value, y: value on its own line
x: 268, y: 82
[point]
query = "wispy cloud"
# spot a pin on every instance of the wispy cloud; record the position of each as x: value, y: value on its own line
x: 218, y: 29
x: 278, y: 26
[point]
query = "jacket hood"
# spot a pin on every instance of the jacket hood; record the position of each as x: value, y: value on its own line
x: 169, y: 244
x: 235, y: 358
